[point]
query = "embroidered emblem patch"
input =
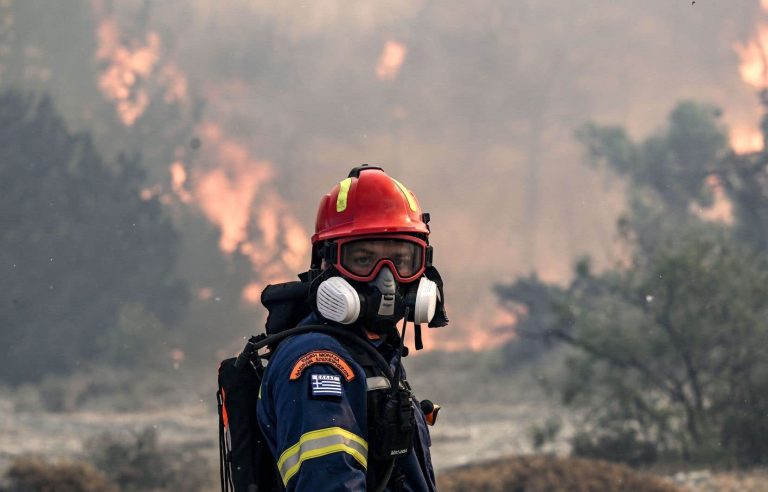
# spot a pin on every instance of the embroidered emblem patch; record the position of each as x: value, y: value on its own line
x: 322, y: 357
x: 325, y: 385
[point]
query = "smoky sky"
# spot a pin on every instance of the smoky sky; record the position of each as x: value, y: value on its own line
x: 478, y: 121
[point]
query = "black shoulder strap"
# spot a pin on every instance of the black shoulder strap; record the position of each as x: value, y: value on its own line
x: 256, y: 343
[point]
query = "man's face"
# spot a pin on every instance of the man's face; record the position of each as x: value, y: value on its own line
x: 361, y: 257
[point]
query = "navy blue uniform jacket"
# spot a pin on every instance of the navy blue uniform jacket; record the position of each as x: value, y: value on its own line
x: 315, y: 424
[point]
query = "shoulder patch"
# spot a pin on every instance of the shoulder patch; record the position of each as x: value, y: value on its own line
x: 322, y: 357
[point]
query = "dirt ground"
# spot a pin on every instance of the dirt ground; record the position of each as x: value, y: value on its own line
x: 465, y: 433
x: 738, y: 481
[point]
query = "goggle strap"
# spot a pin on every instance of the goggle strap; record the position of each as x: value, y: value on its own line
x: 428, y: 257
x: 330, y: 252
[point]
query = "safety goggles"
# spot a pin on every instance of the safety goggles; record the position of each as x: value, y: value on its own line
x: 362, y: 258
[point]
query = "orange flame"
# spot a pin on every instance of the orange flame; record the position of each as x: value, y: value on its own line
x: 390, y: 60
x: 464, y: 332
x: 239, y: 197
x: 127, y: 66
x: 178, y: 178
x: 121, y: 79
x: 226, y: 193
x: 753, y: 69
x: 746, y: 140
x: 233, y: 189
x: 754, y: 59
x: 204, y: 293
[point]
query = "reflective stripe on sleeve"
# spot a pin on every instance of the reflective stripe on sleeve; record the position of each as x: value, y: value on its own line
x: 320, y: 443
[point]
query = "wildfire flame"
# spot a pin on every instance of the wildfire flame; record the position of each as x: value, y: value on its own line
x: 126, y: 66
x: 226, y: 192
x: 745, y: 140
x: 178, y: 178
x: 390, y: 60
x: 753, y: 69
x: 232, y: 189
x: 204, y: 293
x: 237, y: 194
x: 754, y: 59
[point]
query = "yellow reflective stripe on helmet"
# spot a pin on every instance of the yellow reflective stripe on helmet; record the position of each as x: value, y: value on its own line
x: 408, y: 196
x: 341, y: 200
x: 321, y: 443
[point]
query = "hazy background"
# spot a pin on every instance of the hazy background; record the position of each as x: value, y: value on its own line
x: 471, y: 104
x: 219, y: 125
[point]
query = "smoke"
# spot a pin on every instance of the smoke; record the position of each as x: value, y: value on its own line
x: 475, y: 116
x: 471, y: 105
x: 233, y: 189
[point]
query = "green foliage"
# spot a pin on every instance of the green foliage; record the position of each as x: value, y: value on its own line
x: 134, y: 341
x: 745, y: 181
x: 667, y: 172
x: 674, y: 164
x: 668, y: 346
x: 76, y: 244
x: 531, y: 301
x: 668, y: 359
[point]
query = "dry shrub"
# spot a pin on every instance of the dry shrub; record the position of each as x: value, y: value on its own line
x: 550, y: 474
x: 140, y: 463
x: 32, y: 474
x: 105, y: 388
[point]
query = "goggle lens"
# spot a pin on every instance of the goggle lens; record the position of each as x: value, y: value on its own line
x: 361, y: 257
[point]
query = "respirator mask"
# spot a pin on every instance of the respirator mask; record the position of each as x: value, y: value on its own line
x: 373, y: 280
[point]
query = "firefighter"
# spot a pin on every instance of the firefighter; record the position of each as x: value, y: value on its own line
x: 331, y: 422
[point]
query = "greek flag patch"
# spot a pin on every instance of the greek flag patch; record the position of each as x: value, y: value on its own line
x: 325, y: 385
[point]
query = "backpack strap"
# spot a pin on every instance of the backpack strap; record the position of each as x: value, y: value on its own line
x: 250, y: 352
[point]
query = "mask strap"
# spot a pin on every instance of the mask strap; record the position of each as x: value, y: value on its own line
x: 400, y: 349
x: 417, y: 337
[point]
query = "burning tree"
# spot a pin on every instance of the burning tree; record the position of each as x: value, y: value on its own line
x: 78, y: 247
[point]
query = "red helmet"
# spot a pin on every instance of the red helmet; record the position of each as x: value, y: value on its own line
x: 368, y: 204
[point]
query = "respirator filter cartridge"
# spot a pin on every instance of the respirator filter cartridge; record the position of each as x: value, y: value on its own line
x: 338, y: 301
x: 426, y: 301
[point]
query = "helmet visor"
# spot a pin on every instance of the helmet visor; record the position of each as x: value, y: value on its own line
x: 363, y: 258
